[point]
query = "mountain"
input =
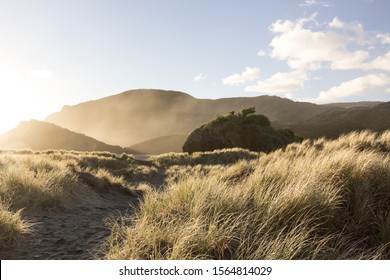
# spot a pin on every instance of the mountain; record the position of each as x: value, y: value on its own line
x: 160, y: 145
x: 38, y: 135
x: 356, y: 104
x: 333, y: 123
x: 139, y: 115
x: 143, y: 118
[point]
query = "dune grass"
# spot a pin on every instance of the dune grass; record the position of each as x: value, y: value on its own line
x: 314, y: 200
x: 12, y: 226
x: 318, y: 199
x: 218, y: 157
x: 54, y: 179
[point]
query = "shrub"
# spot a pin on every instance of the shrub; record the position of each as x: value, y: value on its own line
x: 243, y: 130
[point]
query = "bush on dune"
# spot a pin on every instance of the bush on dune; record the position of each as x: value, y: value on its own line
x: 239, y: 130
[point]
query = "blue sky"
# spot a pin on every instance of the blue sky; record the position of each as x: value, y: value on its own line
x: 54, y: 53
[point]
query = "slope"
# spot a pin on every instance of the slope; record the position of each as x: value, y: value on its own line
x: 333, y: 123
x: 160, y: 145
x: 37, y: 135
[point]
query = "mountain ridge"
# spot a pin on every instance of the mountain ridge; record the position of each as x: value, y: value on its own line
x: 135, y: 116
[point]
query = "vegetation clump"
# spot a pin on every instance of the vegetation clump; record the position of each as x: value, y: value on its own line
x: 242, y: 130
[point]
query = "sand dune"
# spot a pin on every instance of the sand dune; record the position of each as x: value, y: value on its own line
x: 75, y: 233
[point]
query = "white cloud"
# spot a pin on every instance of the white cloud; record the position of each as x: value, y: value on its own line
x: 309, y: 3
x: 250, y: 74
x: 358, y: 86
x: 280, y: 83
x: 41, y: 74
x: 354, y: 27
x: 304, y: 48
x: 384, y: 38
x: 199, y: 77
x: 349, y: 62
x: 261, y: 53
x: 388, y: 90
x: 289, y: 96
x: 380, y: 62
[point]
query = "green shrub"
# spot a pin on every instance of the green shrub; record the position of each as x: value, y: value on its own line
x: 242, y: 130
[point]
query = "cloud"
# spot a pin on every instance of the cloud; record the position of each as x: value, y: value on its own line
x: 41, y: 74
x: 309, y: 3
x: 304, y: 48
x: 380, y: 62
x: 353, y: 87
x: 283, y: 82
x: 289, y: 96
x: 250, y: 74
x: 199, y: 77
x: 354, y: 27
x: 261, y: 53
x: 384, y: 38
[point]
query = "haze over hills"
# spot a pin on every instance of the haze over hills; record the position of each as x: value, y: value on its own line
x: 37, y: 135
x: 135, y: 116
x: 159, y: 121
x: 139, y: 115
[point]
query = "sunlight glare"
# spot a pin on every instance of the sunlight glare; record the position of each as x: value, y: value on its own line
x: 17, y: 101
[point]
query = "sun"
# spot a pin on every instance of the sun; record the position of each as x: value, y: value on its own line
x: 17, y: 101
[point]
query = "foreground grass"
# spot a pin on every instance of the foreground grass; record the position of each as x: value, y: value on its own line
x: 56, y: 180
x: 315, y: 200
x: 11, y: 227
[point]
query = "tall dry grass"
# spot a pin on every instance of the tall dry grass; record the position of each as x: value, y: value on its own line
x: 315, y: 200
x: 53, y: 179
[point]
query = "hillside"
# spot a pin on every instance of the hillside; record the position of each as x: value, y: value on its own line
x: 356, y: 104
x: 160, y: 145
x: 37, y: 135
x: 136, y: 116
x: 139, y: 115
x: 333, y: 123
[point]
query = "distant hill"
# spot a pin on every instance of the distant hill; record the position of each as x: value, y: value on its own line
x: 139, y: 115
x: 38, y: 135
x: 160, y: 145
x: 333, y: 123
x: 145, y: 117
x: 356, y: 104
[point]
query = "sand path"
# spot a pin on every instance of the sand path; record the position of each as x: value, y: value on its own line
x: 76, y: 233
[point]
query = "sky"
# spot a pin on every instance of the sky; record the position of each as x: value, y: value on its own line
x: 55, y: 53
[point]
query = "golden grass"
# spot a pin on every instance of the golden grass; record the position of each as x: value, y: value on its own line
x: 225, y: 156
x: 318, y: 199
x: 51, y: 179
x: 11, y: 226
x: 315, y: 200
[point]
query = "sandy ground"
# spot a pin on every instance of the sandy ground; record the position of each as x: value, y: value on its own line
x: 78, y: 232
x: 143, y: 157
